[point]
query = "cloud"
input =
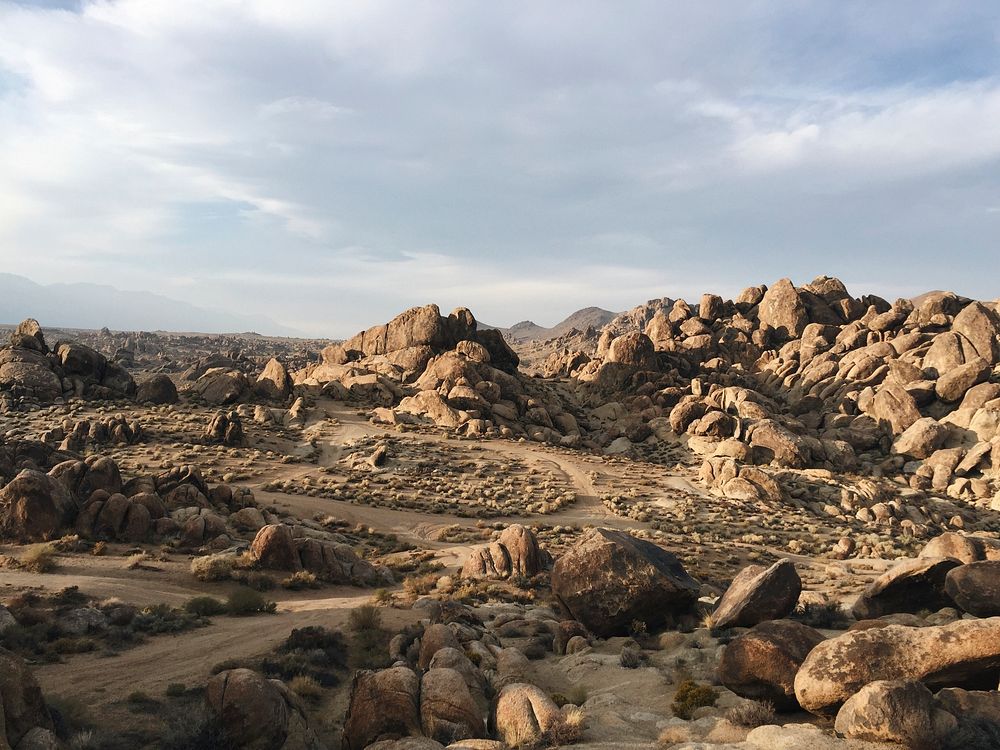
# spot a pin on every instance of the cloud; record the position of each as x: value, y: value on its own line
x: 338, y: 161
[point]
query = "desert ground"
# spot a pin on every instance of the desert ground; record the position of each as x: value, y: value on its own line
x: 769, y: 522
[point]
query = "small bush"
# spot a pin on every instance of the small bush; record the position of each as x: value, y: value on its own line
x: 382, y: 597
x: 197, y: 732
x: 306, y: 687
x: 365, y: 617
x: 243, y: 602
x: 175, y: 690
x: 566, y: 729
x: 100, y: 548
x: 420, y: 584
x: 690, y: 696
x: 630, y: 657
x: 204, y: 606
x: 300, y: 580
x: 826, y: 616
x: 212, y: 567
x: 39, y: 558
x: 139, y: 696
x: 255, y: 579
x: 751, y: 714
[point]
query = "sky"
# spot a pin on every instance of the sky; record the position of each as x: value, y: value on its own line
x: 327, y: 164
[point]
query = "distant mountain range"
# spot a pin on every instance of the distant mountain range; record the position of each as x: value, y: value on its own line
x: 582, y: 319
x: 99, y: 306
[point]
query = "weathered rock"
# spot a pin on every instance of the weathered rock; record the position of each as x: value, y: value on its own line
x: 158, y: 389
x: 515, y: 553
x: 758, y: 594
x: 975, y: 587
x: 447, y: 709
x: 782, y: 309
x: 983, y: 705
x: 274, y: 383
x: 274, y: 547
x: 921, y: 438
x: 966, y: 549
x: 762, y: 664
x: 35, y: 507
x: 965, y: 653
x: 435, y: 638
x: 383, y: 705
x: 895, y: 711
x: 911, y: 586
x: 953, y: 385
x: 610, y: 579
x: 225, y: 429
x: 23, y: 707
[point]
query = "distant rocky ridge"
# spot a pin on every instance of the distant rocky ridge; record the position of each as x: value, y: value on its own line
x: 581, y: 320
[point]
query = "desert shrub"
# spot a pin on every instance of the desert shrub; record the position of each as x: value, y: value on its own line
x: 313, y: 652
x: 70, y: 596
x: 382, y: 597
x: 751, y: 714
x: 70, y: 645
x: 100, y: 548
x: 136, y: 561
x: 194, y: 732
x: 418, y: 585
x: 204, y: 606
x: 139, y: 697
x: 162, y: 618
x: 300, y: 580
x: 227, y: 664
x: 243, y: 602
x: 566, y: 729
x: 39, y: 558
x: 306, y: 687
x: 365, y: 617
x: 175, y: 690
x: 86, y: 739
x: 690, y: 696
x: 212, y: 567
x: 255, y: 579
x: 973, y: 734
x: 826, y: 616
x: 630, y: 657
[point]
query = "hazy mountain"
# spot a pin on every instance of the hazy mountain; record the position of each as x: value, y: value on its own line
x: 528, y: 330
x: 97, y: 305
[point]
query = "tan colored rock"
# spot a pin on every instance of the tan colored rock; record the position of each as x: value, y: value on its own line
x: 953, y: 655
x: 383, y: 705
x: 447, y: 709
x: 523, y: 713
x: 895, y: 711
x: 910, y: 586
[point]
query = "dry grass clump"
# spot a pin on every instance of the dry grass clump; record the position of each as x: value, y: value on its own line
x: 213, y: 567
x: 751, y: 714
x: 630, y: 657
x: 306, y: 687
x: 300, y: 580
x: 567, y: 729
x: 39, y: 558
x: 365, y: 617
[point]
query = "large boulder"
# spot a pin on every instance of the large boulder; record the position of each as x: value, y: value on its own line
x: 609, y: 579
x: 447, y: 709
x: 435, y: 638
x: 34, y: 507
x: 910, y: 586
x: 225, y: 429
x: 274, y: 383
x: 274, y: 547
x: 900, y: 711
x: 258, y: 714
x: 758, y: 594
x: 975, y: 587
x: 965, y: 653
x: 383, y: 705
x: 633, y: 349
x: 159, y: 389
x: 921, y: 438
x: 783, y: 310
x: 22, y: 707
x: 980, y: 326
x: 220, y: 386
x: 966, y: 549
x: 953, y: 385
x: 762, y: 663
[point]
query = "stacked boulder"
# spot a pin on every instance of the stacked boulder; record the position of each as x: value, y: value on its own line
x: 30, y: 372
x: 424, y: 367
x: 294, y: 548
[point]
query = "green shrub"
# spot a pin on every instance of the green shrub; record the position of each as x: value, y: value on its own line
x: 243, y: 602
x: 690, y: 696
x: 204, y: 606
